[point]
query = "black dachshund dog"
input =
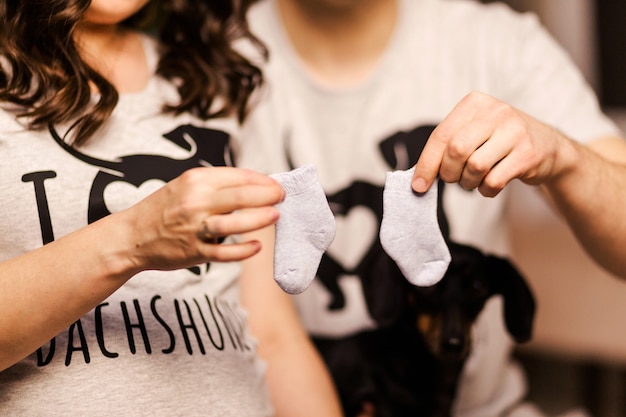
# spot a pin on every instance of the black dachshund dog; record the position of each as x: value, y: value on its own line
x: 412, y: 367
x: 447, y: 311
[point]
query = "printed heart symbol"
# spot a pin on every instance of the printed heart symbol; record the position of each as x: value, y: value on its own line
x: 120, y: 195
x: 355, y: 233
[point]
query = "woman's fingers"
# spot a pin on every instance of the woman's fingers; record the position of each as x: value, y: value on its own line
x: 218, y: 226
x: 183, y: 223
x: 225, y: 189
x: 232, y: 177
x: 229, y: 252
x: 229, y: 199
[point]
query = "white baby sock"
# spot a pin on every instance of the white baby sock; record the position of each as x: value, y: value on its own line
x: 304, y: 231
x: 409, y: 231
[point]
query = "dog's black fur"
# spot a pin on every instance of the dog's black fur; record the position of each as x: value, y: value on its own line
x: 447, y: 311
x: 412, y: 367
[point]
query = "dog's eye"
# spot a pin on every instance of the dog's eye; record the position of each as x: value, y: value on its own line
x: 478, y: 287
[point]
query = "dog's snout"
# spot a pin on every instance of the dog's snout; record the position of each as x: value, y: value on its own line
x: 454, y: 338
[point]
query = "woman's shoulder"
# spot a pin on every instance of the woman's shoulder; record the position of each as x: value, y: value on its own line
x: 9, y: 120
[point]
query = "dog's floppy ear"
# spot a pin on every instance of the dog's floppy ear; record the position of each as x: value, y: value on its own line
x: 519, y: 302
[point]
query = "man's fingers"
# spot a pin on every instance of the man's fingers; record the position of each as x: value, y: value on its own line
x: 427, y: 166
x: 431, y: 159
x: 483, y: 160
x: 455, y: 142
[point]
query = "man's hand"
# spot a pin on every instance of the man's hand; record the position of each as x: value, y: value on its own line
x: 485, y: 143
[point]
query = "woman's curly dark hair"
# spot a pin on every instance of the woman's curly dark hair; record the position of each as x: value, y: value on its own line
x: 44, y: 78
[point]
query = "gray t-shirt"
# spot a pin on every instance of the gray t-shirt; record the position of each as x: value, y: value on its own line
x: 166, y: 343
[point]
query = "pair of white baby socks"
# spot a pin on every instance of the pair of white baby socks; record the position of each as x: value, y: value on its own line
x: 409, y: 231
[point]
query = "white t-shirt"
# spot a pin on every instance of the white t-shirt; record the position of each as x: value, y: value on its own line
x: 440, y: 51
x: 170, y: 343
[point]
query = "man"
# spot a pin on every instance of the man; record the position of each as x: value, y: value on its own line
x: 356, y: 87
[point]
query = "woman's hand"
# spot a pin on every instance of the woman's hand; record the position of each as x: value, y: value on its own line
x: 179, y: 225
x: 485, y: 143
